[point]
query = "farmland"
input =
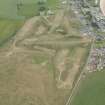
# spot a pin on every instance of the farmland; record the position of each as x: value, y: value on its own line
x: 43, y: 61
x: 44, y: 56
x: 8, y: 8
x: 91, y: 90
x: 12, y: 19
x: 100, y: 44
x: 28, y: 8
x: 8, y: 29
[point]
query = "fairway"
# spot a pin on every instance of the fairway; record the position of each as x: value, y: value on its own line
x: 91, y: 90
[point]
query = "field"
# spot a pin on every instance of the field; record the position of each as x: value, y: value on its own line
x: 99, y: 44
x: 91, y: 90
x: 8, y: 29
x: 8, y: 9
x: 30, y: 8
x: 42, y: 63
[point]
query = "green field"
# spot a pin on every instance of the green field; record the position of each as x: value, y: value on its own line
x: 8, y: 8
x: 42, y: 64
x: 8, y: 28
x: 30, y: 8
x: 99, y: 44
x: 51, y: 3
x: 91, y: 90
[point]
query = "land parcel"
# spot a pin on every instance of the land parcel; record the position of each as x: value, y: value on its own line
x: 29, y: 8
x: 43, y: 63
x: 91, y: 90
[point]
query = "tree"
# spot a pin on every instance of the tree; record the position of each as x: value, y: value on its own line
x: 41, y: 5
x: 19, y: 4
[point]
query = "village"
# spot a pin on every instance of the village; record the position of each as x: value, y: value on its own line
x: 93, y: 22
x: 97, y: 59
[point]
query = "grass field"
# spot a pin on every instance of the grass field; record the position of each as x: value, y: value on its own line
x: 8, y: 8
x: 91, y: 90
x: 51, y: 3
x: 42, y: 64
x: 33, y: 76
x: 8, y: 28
x: 99, y: 44
x: 43, y: 60
x: 30, y: 8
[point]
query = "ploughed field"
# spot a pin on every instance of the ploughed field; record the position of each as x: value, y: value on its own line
x: 43, y: 60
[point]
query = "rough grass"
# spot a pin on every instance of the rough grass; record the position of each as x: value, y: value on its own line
x: 99, y: 44
x: 91, y: 90
x: 8, y: 28
x: 8, y: 8
x: 70, y: 65
x: 28, y: 74
x: 24, y: 83
x: 30, y: 8
x: 29, y: 77
x: 51, y: 3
